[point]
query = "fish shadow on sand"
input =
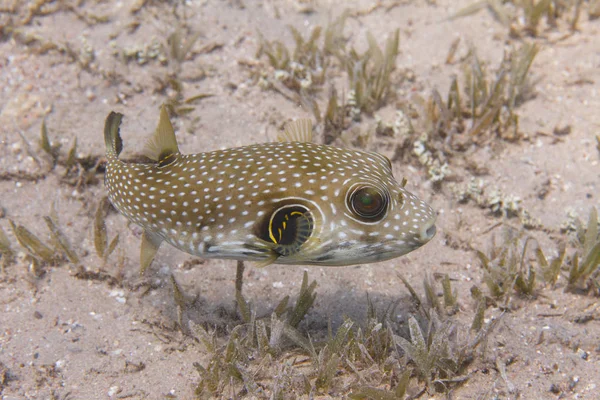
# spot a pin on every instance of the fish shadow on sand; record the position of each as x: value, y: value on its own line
x: 330, y: 310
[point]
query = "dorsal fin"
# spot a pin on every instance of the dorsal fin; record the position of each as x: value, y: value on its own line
x: 163, y: 144
x: 297, y: 131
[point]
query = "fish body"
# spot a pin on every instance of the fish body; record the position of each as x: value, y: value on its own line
x: 287, y: 202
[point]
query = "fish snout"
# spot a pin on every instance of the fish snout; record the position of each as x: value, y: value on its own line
x: 428, y: 230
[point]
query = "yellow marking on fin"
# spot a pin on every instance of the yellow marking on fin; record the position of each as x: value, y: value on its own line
x: 271, y: 231
x: 297, y: 131
x: 163, y: 143
x: 150, y: 244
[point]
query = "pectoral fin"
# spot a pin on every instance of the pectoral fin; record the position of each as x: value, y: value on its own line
x: 289, y: 228
x: 261, y: 264
x: 150, y: 244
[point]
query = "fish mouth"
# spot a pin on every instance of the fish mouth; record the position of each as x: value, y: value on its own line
x: 428, y: 231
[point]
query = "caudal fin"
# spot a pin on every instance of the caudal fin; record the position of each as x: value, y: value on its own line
x: 112, y: 137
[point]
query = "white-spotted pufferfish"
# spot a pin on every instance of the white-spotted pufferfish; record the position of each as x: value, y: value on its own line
x: 287, y: 202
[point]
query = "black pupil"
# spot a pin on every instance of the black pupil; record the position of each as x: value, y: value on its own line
x: 367, y: 199
x: 368, y: 203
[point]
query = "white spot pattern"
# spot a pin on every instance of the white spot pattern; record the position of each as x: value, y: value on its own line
x: 241, y: 187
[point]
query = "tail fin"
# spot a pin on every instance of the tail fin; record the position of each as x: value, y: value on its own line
x: 112, y: 137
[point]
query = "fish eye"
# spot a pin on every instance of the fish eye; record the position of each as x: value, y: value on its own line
x: 368, y: 202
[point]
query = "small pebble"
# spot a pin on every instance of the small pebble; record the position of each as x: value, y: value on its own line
x: 90, y: 95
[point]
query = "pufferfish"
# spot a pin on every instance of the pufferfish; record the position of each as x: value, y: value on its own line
x: 286, y: 202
